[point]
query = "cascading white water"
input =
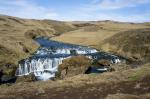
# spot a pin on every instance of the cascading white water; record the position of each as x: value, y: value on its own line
x: 45, y: 51
x: 43, y: 68
x: 45, y: 61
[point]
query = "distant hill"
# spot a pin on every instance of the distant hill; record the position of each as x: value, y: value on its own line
x: 93, y: 33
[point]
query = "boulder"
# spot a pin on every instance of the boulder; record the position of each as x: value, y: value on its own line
x: 104, y: 62
x: 73, y: 66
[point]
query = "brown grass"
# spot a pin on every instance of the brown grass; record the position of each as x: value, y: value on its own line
x: 75, y: 61
x: 133, y: 43
x: 73, y: 66
x: 86, y: 85
x: 96, y: 33
x: 16, y: 36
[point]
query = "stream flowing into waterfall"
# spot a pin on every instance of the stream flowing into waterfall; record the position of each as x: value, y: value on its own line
x: 45, y: 61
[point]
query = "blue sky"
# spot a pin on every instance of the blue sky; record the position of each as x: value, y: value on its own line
x: 79, y: 10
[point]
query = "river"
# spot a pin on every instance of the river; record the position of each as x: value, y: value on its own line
x: 45, y: 61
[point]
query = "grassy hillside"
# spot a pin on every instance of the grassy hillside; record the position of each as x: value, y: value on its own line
x: 127, y: 39
x: 16, y: 37
x: 128, y: 84
x: 93, y: 33
x: 130, y: 40
x: 132, y: 43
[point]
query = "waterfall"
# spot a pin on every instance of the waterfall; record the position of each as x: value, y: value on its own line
x: 45, y: 61
x: 40, y: 67
x: 44, y: 64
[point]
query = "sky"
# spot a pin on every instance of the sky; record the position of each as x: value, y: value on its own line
x: 78, y: 10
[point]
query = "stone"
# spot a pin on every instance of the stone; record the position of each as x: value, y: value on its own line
x: 73, y: 66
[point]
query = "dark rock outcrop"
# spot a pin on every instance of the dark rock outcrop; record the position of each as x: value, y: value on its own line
x: 1, y: 75
x: 28, y: 78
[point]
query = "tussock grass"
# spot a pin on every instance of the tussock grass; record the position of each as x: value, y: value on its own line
x: 80, y: 80
x: 133, y: 43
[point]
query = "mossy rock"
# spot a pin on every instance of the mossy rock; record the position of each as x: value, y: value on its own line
x: 73, y: 66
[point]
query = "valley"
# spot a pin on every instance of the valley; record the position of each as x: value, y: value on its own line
x: 84, y: 42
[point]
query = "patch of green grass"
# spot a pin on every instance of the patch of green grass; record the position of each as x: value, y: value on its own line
x: 140, y: 73
x: 133, y: 77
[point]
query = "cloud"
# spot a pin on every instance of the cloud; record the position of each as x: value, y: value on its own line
x: 112, y: 10
x: 113, y: 4
x: 93, y: 10
x: 117, y: 4
x: 26, y: 9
